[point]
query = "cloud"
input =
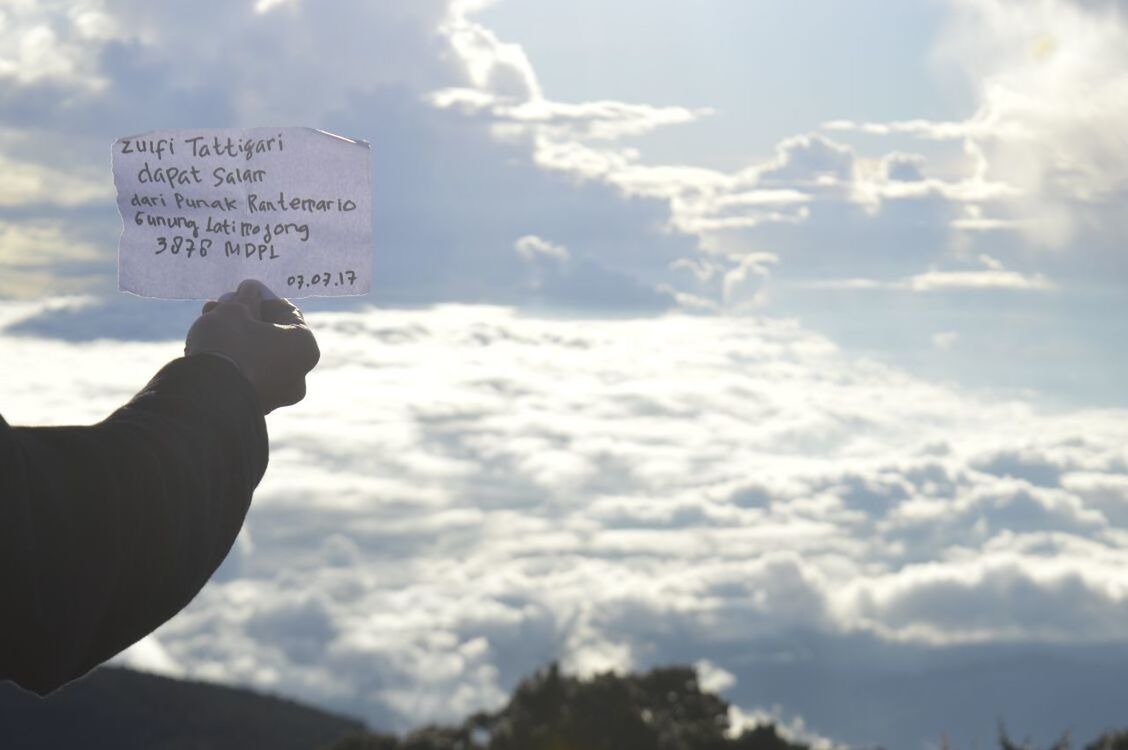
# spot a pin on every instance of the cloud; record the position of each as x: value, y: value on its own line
x: 928, y: 129
x: 1052, y: 73
x: 493, y: 66
x: 469, y: 492
x: 947, y: 281
x: 945, y: 340
x: 900, y: 167
x: 148, y: 655
x: 54, y: 42
x: 467, y: 129
x: 713, y: 678
x: 596, y: 120
x: 86, y: 318
x: 810, y: 160
x: 27, y: 183
x: 941, y: 280
x: 1051, y: 95
x: 531, y: 248
x: 996, y: 598
x: 433, y: 152
x: 743, y: 285
x: 30, y: 251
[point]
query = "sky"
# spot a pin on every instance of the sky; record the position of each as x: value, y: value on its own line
x: 777, y: 338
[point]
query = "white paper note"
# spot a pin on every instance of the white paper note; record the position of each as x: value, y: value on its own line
x: 204, y: 209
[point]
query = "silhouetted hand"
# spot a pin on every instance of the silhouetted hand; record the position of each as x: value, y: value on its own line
x: 265, y: 336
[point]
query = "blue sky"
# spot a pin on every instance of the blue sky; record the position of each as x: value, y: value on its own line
x: 740, y: 333
x: 770, y: 70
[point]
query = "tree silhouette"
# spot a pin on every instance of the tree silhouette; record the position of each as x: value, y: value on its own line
x: 1110, y: 741
x: 1005, y: 742
x: 664, y: 709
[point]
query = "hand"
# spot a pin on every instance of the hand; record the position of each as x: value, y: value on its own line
x: 265, y: 336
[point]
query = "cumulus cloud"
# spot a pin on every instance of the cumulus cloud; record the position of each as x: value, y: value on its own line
x: 1049, y: 80
x: 1001, y: 596
x: 1054, y: 73
x: 54, y: 42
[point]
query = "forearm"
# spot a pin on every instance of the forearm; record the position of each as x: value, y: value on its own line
x: 116, y: 526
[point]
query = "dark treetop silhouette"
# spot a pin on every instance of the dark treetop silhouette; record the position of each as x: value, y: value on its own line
x: 109, y: 530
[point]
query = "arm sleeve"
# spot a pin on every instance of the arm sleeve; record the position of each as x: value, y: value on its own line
x: 107, y: 531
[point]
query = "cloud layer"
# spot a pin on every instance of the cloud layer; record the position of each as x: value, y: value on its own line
x: 467, y: 493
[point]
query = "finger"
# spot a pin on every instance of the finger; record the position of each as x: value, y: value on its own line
x: 267, y: 293
x: 295, y: 393
x: 209, y: 306
x: 263, y: 290
x: 284, y: 394
x: 234, y: 311
x: 301, y: 347
x: 281, y: 311
x: 249, y: 294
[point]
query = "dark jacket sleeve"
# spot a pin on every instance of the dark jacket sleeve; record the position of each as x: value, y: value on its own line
x: 107, y: 531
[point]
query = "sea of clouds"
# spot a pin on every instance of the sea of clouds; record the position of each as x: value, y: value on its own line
x: 469, y: 492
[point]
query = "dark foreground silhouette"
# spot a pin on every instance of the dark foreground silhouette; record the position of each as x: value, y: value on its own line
x: 108, y: 530
x: 118, y: 709
x: 664, y: 709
